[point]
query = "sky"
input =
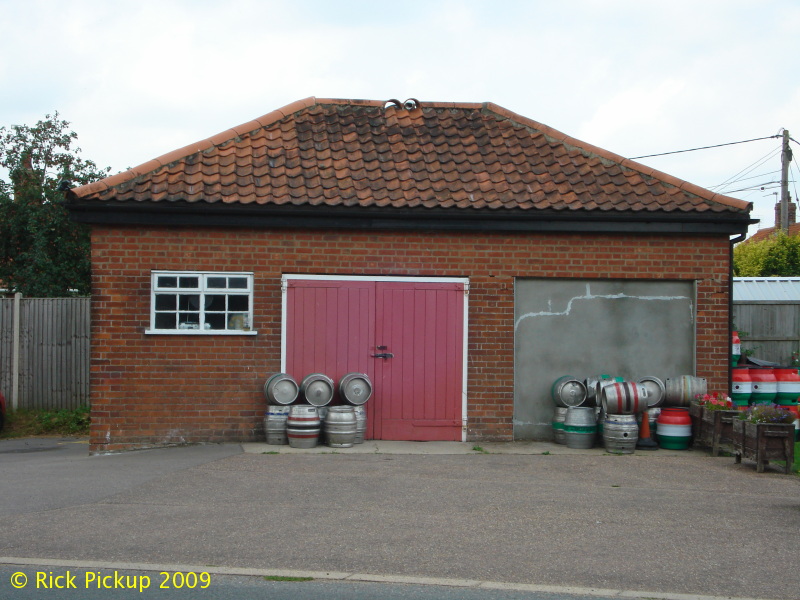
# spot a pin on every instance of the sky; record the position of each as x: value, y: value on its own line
x: 138, y: 79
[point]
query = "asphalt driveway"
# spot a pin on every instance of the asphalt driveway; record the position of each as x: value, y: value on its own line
x: 659, y: 522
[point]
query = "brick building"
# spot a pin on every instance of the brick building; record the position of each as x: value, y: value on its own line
x: 461, y: 255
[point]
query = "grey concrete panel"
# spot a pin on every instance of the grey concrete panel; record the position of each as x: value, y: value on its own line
x: 584, y: 327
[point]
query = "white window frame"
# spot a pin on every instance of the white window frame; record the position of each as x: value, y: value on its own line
x: 202, y: 290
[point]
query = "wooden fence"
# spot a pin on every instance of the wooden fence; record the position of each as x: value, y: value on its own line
x: 771, y: 330
x: 44, y: 352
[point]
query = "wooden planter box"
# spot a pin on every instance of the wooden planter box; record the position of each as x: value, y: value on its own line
x: 717, y: 430
x: 696, y: 412
x: 762, y: 442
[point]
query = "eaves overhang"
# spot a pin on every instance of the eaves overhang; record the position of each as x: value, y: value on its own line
x: 185, y: 214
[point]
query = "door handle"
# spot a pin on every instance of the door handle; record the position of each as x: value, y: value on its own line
x: 383, y: 355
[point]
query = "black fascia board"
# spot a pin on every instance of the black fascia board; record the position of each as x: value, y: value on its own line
x: 425, y: 219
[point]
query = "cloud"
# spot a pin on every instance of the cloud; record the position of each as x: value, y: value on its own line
x: 141, y: 78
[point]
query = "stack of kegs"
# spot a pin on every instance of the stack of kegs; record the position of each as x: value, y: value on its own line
x: 281, y: 391
x: 355, y: 389
x: 605, y: 409
x: 305, y: 424
x: 621, y: 402
x: 778, y: 385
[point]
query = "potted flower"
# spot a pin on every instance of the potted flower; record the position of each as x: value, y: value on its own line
x: 764, y: 432
x: 704, y: 413
x: 717, y: 422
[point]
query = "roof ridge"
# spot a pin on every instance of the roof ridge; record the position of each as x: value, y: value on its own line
x: 602, y: 153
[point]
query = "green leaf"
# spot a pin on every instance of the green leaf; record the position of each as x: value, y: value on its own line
x: 42, y: 251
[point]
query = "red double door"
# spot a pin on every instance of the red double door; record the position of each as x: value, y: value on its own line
x: 407, y: 336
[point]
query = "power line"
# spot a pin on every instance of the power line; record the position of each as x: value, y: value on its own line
x: 749, y: 169
x: 706, y: 147
x: 762, y: 186
x: 746, y: 178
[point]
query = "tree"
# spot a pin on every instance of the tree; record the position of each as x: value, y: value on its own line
x: 777, y: 256
x: 42, y: 251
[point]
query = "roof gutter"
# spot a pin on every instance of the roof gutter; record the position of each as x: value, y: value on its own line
x: 180, y: 213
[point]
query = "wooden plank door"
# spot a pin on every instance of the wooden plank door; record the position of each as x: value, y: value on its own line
x: 330, y: 327
x: 421, y: 325
x: 340, y: 326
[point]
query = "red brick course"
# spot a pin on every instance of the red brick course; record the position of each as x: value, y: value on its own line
x: 150, y: 390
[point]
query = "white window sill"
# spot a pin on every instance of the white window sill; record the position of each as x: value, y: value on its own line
x: 197, y: 332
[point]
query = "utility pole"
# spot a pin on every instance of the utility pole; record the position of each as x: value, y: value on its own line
x: 786, y: 158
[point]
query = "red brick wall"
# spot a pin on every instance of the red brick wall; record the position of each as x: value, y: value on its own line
x: 160, y: 389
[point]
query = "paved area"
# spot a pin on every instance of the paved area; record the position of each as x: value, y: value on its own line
x: 389, y: 447
x: 652, y: 524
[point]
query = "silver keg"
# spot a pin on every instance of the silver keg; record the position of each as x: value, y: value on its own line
x: 317, y: 389
x: 580, y: 427
x: 361, y: 423
x: 281, y: 389
x: 620, y: 433
x: 340, y: 427
x: 275, y: 425
x: 558, y: 425
x: 355, y: 388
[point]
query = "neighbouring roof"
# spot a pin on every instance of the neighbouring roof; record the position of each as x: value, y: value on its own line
x: 767, y: 232
x: 372, y: 159
x: 766, y: 289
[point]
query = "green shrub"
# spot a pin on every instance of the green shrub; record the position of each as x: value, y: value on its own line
x: 64, y: 421
x: 776, y: 256
x: 23, y: 423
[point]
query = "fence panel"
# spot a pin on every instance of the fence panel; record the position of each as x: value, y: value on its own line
x: 6, y: 347
x: 770, y: 329
x: 54, y: 338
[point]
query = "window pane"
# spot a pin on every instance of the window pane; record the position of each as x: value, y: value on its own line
x: 217, y: 282
x: 238, y: 321
x: 239, y: 283
x: 188, y: 320
x: 215, y: 321
x: 189, y: 282
x: 165, y: 321
x: 189, y: 302
x: 239, y: 303
x: 166, y: 302
x: 167, y: 281
x: 215, y: 303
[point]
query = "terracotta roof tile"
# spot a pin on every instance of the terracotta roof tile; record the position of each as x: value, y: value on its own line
x: 767, y: 232
x: 356, y: 152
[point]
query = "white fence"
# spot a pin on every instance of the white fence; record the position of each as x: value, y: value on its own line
x: 44, y: 352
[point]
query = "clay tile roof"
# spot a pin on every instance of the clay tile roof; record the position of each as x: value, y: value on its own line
x: 767, y: 232
x: 372, y: 153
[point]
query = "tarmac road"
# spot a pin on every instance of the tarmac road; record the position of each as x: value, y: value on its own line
x: 654, y: 524
x: 52, y: 582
